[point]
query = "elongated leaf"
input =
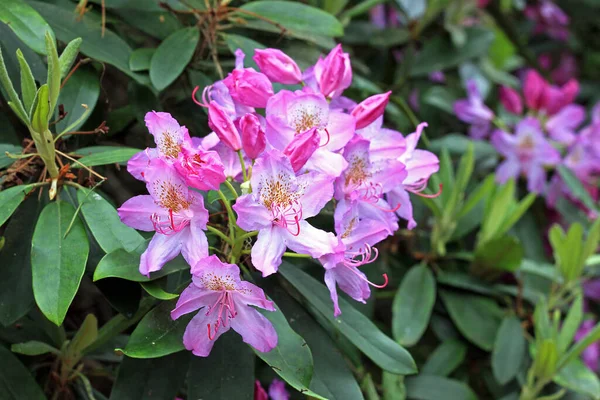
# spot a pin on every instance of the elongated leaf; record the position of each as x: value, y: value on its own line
x: 125, y: 265
x: 429, y: 387
x: 217, y: 377
x: 352, y: 324
x: 576, y: 188
x: 15, y: 103
x: 157, y: 334
x: 412, y: 305
x: 445, y: 358
x: 39, y: 118
x: 172, y: 56
x: 53, y: 72
x: 27, y: 24
x: 105, y: 224
x: 5, y: 160
x: 296, y: 17
x: 16, y: 383
x: 140, y: 59
x: 33, y: 348
x: 570, y: 325
x: 83, y: 87
x: 68, y: 56
x: 57, y: 263
x: 28, y: 86
x: 10, y: 199
x: 476, y: 317
x: 155, y: 289
x: 579, y: 378
x: 578, y: 348
x: 119, y: 155
x: 504, y: 253
x: 158, y: 378
x: 509, y: 350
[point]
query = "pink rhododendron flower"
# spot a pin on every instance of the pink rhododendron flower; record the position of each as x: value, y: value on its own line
x: 527, y: 152
x: 224, y: 301
x: 278, y: 66
x: 541, y: 96
x: 248, y: 87
x: 511, y: 100
x: 221, y: 123
x: 549, y: 19
x: 259, y: 392
x: 277, y: 390
x: 562, y: 126
x: 176, y: 214
x: 474, y: 112
x: 370, y: 109
x: 199, y: 168
x: 277, y: 208
x: 333, y: 74
x: 253, y: 135
x: 302, y: 147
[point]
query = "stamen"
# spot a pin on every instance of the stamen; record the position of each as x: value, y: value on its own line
x: 419, y: 189
x: 205, y: 96
x: 167, y: 227
x: 328, y: 138
x: 288, y: 217
x: 362, y: 257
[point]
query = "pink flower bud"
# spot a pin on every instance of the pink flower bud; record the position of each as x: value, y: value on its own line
x: 302, y: 147
x: 334, y: 72
x: 533, y: 90
x: 370, y: 109
x: 555, y: 99
x: 220, y: 122
x: 201, y: 169
x: 511, y: 100
x: 278, y: 66
x: 254, y: 140
x: 249, y: 87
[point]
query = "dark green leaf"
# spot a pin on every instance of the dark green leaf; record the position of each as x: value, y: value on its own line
x: 296, y: 17
x: 579, y: 378
x: 457, y: 145
x: 155, y: 289
x: 247, y: 45
x: 509, y: 350
x: 10, y: 199
x: 504, y: 253
x: 33, y: 348
x: 83, y: 87
x: 576, y: 187
x: 57, y: 263
x: 14, y: 101
x: 428, y: 387
x: 172, y: 56
x: 445, y: 358
x: 352, y: 324
x: 125, y: 265
x: 5, y: 160
x: 154, y: 379
x: 27, y: 24
x: 477, y: 318
x: 105, y: 224
x: 157, y: 334
x: 117, y: 156
x: 227, y: 373
x: 439, y: 53
x: 412, y: 305
x: 16, y: 383
x: 140, y: 59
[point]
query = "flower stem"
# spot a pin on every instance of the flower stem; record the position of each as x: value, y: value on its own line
x: 231, y: 188
x: 243, y: 165
x: 219, y: 234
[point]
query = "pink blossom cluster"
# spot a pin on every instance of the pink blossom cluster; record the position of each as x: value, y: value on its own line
x: 549, y: 19
x: 292, y: 152
x: 545, y: 129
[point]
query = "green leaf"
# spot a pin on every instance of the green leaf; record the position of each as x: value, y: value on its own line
x: 477, y: 318
x: 516, y: 213
x: 39, y: 118
x: 154, y: 289
x: 125, y: 265
x: 110, y: 49
x: 441, y: 98
x: 295, y: 17
x: 53, y: 73
x: 153, y: 379
x: 445, y: 358
x: 5, y: 160
x: 68, y: 56
x: 85, y: 336
x: 247, y: 45
x: 172, y: 56
x: 331, y: 376
x: 117, y: 156
x: 27, y: 24
x: 218, y: 377
x: 157, y: 334
x: 11, y: 198
x: 57, y: 263
x: 17, y: 106
x: 105, y: 224
x: 576, y: 187
x: 509, y: 350
x: 28, y: 86
x: 579, y: 378
x: 16, y: 383
x: 504, y: 253
x: 429, y: 387
x: 33, y: 348
x: 83, y: 87
x: 580, y: 346
x: 16, y: 294
x: 570, y: 325
x: 140, y: 59
x: 439, y: 53
x: 352, y: 324
x: 413, y: 305
x: 457, y: 144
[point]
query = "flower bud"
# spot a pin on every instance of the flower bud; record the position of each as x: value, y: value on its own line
x: 254, y: 140
x: 511, y: 100
x: 302, y: 147
x: 278, y: 66
x: 201, y: 169
x: 220, y: 122
x: 370, y: 109
x: 249, y: 87
x: 334, y: 72
x: 533, y: 90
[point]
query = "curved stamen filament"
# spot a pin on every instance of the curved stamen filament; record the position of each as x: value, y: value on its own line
x: 288, y: 216
x: 205, y: 96
x: 418, y: 189
x: 226, y: 307
x: 363, y: 256
x: 328, y: 138
x: 168, y: 226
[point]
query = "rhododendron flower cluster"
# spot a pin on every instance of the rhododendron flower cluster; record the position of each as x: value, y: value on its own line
x: 545, y: 129
x: 292, y: 152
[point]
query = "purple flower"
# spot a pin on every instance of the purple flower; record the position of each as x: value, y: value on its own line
x: 224, y: 302
x: 277, y: 390
x: 562, y: 126
x: 549, y: 19
x: 473, y: 111
x: 176, y: 214
x: 527, y: 152
x: 591, y: 354
x: 277, y: 208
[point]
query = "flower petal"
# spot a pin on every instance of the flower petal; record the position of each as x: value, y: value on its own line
x: 196, y: 336
x: 255, y: 329
x: 162, y: 248
x: 268, y: 250
x: 136, y: 212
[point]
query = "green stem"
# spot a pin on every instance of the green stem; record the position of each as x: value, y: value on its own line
x: 240, y: 239
x: 231, y: 188
x: 230, y: 214
x: 219, y: 234
x: 243, y: 165
x: 295, y: 255
x: 411, y: 116
x: 74, y: 124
